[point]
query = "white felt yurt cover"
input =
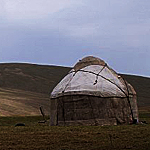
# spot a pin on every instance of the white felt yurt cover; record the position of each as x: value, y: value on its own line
x: 91, y: 76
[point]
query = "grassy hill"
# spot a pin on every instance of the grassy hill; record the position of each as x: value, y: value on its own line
x: 26, y: 87
x: 142, y: 87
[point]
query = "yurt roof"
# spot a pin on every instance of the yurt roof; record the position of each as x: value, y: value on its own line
x: 87, y: 61
x: 92, y: 76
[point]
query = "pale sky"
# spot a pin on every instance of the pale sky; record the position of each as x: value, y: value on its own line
x: 60, y: 32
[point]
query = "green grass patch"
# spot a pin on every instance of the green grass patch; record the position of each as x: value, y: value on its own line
x: 75, y: 138
x: 42, y: 136
x: 27, y: 120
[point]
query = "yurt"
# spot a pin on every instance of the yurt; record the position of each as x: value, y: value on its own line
x: 93, y: 94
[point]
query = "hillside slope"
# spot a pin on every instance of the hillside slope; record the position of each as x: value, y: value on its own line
x: 31, y: 77
x: 142, y: 87
x: 26, y: 87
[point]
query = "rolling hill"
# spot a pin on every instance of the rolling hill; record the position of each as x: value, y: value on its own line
x: 26, y: 87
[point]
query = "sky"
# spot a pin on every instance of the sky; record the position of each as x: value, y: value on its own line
x: 60, y: 32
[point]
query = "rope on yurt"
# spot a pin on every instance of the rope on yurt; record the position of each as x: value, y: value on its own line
x: 127, y: 95
x: 98, y: 74
x: 63, y: 109
x: 68, y: 82
x: 105, y: 79
x: 128, y: 98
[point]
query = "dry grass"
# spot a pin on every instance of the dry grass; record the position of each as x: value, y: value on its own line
x: 21, y: 103
x: 34, y: 136
x: 26, y: 87
x: 75, y: 138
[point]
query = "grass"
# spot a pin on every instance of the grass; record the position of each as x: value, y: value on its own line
x: 27, y: 120
x: 74, y: 138
x: 26, y: 87
x: 21, y: 103
x: 42, y: 136
x: 31, y: 77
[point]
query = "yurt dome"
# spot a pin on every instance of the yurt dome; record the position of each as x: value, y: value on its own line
x: 93, y: 94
